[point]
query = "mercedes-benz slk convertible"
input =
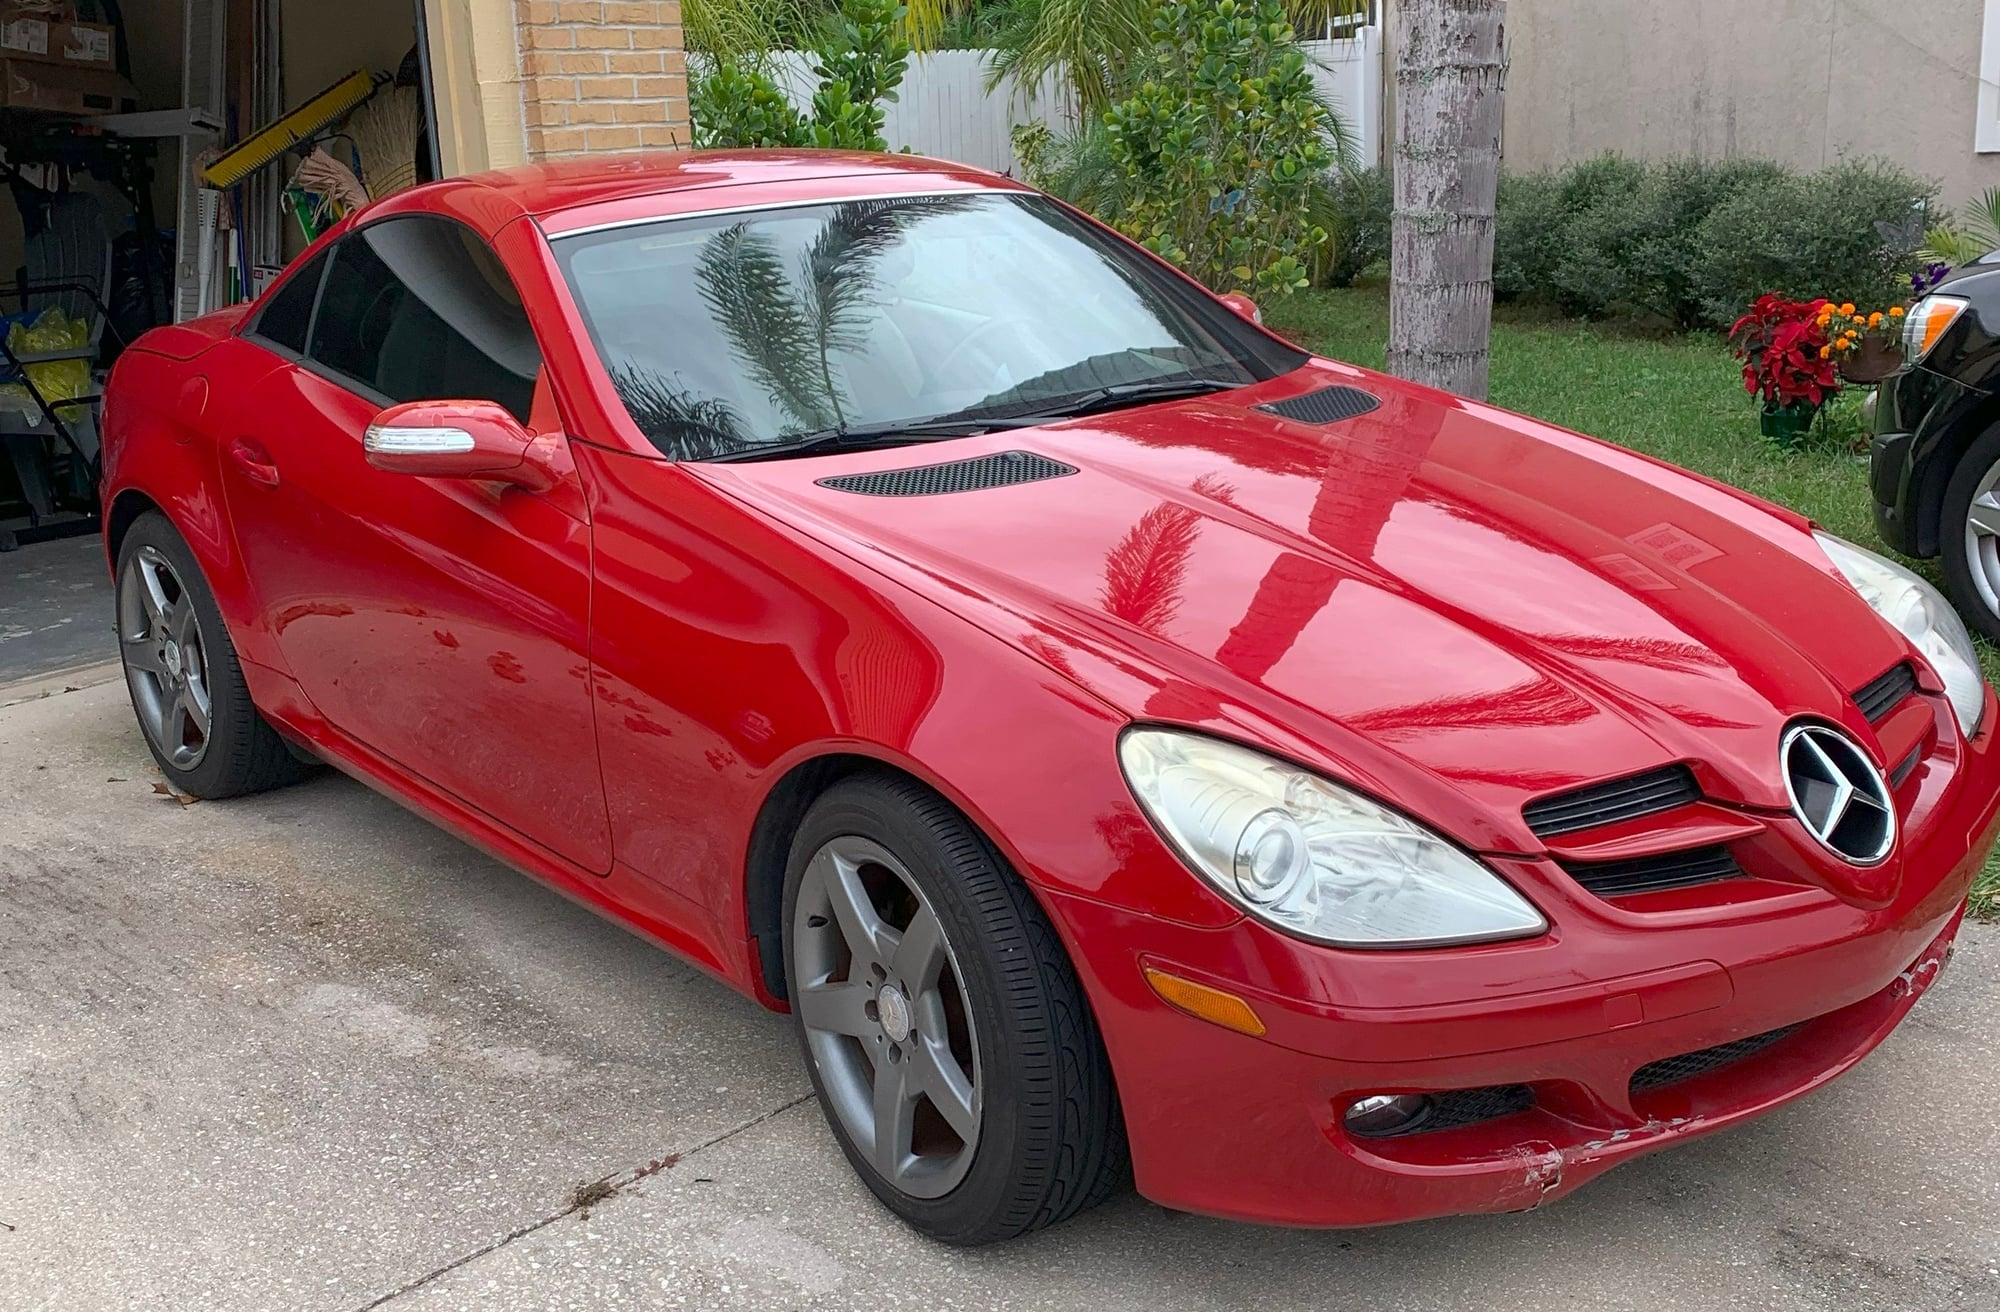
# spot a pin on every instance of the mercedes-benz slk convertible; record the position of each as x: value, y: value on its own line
x: 1128, y: 746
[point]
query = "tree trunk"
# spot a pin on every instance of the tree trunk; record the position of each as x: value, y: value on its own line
x: 1448, y: 86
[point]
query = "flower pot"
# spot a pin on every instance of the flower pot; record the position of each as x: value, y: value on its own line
x: 1787, y: 425
x: 1876, y: 360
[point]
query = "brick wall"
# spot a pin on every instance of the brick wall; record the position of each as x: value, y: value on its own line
x: 601, y: 75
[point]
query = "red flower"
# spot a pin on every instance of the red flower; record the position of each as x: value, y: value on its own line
x: 1779, y: 342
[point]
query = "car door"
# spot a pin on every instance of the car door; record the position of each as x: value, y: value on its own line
x: 441, y: 622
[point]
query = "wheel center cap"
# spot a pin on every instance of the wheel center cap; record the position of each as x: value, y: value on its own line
x: 894, y: 1010
x: 173, y: 656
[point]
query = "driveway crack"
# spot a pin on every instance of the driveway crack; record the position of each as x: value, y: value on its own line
x: 592, y: 1194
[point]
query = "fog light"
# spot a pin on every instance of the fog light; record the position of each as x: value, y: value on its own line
x: 1387, y: 1114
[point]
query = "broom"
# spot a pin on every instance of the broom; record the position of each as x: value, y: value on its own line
x: 385, y: 132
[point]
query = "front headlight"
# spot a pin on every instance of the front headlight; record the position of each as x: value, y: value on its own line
x: 1311, y: 857
x: 1921, y: 614
x: 1926, y: 322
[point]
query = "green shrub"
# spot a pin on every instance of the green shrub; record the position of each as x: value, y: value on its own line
x: 1219, y: 145
x: 861, y: 62
x: 1695, y: 241
x: 1809, y: 236
x: 1357, y: 214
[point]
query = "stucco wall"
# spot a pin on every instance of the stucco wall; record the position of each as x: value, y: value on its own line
x: 1802, y: 81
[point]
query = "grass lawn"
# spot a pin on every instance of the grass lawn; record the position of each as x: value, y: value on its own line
x: 1677, y: 398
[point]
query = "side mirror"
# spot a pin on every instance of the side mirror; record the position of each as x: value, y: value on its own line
x: 454, y: 439
x: 1243, y: 306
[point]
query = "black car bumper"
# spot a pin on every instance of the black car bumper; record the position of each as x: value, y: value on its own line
x: 1920, y: 423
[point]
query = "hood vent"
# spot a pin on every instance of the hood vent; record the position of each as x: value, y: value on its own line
x: 1003, y: 469
x: 1608, y: 803
x: 1329, y: 405
x: 1882, y: 695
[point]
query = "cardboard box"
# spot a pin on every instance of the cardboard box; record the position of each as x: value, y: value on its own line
x: 61, y: 89
x: 26, y: 34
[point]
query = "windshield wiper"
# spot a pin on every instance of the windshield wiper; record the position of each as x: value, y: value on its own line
x: 889, y: 431
x: 1113, y: 395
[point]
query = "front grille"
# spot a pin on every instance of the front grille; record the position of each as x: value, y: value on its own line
x: 1000, y: 470
x: 1882, y: 695
x: 1673, y: 1070
x: 1329, y: 405
x: 1608, y: 803
x: 1651, y: 874
x: 1461, y: 1107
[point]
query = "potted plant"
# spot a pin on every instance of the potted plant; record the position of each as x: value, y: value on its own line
x: 1788, y: 362
x: 1867, y: 345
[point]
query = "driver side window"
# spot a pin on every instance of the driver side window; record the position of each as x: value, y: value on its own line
x: 418, y: 308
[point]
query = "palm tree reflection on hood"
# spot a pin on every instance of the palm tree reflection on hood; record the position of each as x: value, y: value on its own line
x: 784, y: 325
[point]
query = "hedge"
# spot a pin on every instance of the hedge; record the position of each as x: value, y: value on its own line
x: 1686, y: 240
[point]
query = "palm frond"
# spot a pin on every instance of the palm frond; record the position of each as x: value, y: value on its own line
x: 925, y: 22
x: 838, y: 267
x: 1313, y: 20
x: 745, y: 29
x: 1974, y: 233
x: 1085, y: 44
x: 743, y: 283
x: 683, y: 427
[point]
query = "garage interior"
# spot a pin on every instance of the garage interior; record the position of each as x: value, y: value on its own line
x: 155, y: 171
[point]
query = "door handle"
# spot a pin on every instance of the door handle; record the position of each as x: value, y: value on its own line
x: 254, y: 461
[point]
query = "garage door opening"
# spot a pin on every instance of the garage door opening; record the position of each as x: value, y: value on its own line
x: 110, y: 110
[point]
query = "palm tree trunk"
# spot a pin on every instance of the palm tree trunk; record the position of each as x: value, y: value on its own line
x: 1448, y: 85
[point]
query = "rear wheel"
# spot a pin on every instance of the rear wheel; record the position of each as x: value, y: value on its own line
x: 181, y: 669
x: 946, y: 1033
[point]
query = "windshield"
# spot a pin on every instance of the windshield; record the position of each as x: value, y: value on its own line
x: 730, y: 333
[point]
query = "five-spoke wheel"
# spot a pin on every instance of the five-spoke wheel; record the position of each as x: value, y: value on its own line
x: 187, y: 687
x: 159, y: 637
x: 885, y: 1016
x: 945, y: 1029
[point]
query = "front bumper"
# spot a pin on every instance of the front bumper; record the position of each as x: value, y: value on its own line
x: 1918, y: 412
x: 1252, y: 1128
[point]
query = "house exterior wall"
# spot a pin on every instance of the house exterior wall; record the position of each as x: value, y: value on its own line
x: 523, y: 80
x: 1800, y: 81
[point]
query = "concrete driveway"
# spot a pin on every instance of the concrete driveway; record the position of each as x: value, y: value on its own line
x: 307, y: 1051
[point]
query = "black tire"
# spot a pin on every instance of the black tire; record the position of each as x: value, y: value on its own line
x: 1972, y: 469
x: 243, y: 753
x: 1050, y: 1141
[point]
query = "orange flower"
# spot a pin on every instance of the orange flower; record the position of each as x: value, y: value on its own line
x: 1825, y: 352
x: 1895, y: 312
x: 1847, y: 307
x: 1875, y: 319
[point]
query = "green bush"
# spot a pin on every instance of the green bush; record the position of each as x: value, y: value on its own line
x: 1219, y: 145
x: 1358, y: 208
x: 1695, y: 241
x: 1809, y: 236
x: 861, y: 62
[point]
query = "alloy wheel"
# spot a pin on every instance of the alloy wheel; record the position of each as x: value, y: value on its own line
x: 166, y: 660
x: 1982, y: 539
x: 880, y: 996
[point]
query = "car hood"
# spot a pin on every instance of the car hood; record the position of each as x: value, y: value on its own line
x: 1454, y: 607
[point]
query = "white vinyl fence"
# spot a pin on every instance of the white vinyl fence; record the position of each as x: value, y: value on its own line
x: 945, y: 110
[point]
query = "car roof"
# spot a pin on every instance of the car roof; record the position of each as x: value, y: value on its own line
x: 566, y: 195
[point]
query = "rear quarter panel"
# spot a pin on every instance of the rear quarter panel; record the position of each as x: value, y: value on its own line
x: 163, y: 422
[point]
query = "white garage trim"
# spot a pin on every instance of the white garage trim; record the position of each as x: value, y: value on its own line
x: 1987, y: 139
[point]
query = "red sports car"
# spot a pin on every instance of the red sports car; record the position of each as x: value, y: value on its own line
x: 1123, y: 741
